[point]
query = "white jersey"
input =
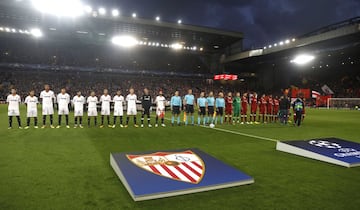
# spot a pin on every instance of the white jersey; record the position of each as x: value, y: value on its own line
x: 13, y: 108
x: 63, y: 102
x: 47, y: 98
x: 160, y: 102
x: 118, y: 105
x: 131, y: 104
x: 92, y: 102
x: 78, y: 102
x: 105, y: 104
x: 31, y: 104
x: 92, y: 106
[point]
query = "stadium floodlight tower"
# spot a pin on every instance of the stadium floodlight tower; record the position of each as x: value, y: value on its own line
x: 37, y: 33
x: 303, y: 59
x: 61, y: 8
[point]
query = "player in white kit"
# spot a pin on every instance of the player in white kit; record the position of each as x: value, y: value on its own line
x: 31, y: 102
x: 160, y: 108
x: 92, y: 102
x: 48, y: 99
x: 63, y: 100
x: 131, y: 100
x: 105, y: 101
x: 13, y: 101
x: 118, y: 108
x: 78, y: 102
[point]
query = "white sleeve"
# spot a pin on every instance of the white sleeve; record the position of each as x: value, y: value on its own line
x: 41, y: 95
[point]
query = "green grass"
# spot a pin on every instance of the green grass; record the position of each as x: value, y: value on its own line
x: 69, y: 168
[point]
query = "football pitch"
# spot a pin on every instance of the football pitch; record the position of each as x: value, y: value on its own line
x: 69, y: 168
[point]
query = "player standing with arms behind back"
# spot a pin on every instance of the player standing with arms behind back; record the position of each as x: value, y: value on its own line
x: 220, y: 105
x: 13, y: 101
x: 254, y: 106
x: 92, y: 102
x: 78, y: 102
x: 146, y: 102
x: 228, y: 108
x: 63, y: 100
x: 105, y: 101
x: 189, y: 102
x: 118, y: 108
x: 201, y: 102
x: 160, y: 108
x: 175, y: 105
x: 237, y: 107
x: 210, y: 102
x: 47, y: 97
x: 131, y: 99
x: 244, y: 106
x: 31, y: 102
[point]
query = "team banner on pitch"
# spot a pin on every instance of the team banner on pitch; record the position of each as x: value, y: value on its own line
x: 151, y: 175
x: 331, y: 150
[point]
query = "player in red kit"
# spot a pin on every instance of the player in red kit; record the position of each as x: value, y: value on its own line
x: 254, y: 105
x: 244, y: 106
x: 276, y: 108
x: 270, y: 109
x: 228, y: 108
x: 262, y: 107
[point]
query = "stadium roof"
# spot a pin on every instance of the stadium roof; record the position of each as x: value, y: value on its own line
x: 95, y: 28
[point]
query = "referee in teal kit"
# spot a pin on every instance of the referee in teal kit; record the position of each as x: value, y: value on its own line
x: 201, y: 102
x: 175, y: 105
x: 189, y: 101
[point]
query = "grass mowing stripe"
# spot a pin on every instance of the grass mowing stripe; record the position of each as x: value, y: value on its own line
x: 235, y: 132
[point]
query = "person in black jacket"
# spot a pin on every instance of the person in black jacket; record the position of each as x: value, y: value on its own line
x: 146, y: 101
x: 284, y: 106
x: 298, y: 107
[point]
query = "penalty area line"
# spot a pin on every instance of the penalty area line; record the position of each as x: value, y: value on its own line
x: 242, y: 134
x: 235, y: 132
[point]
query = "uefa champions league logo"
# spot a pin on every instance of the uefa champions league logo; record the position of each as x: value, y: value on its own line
x: 325, y: 144
x: 341, y: 152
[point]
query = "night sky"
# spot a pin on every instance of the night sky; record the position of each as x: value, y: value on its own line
x: 263, y: 22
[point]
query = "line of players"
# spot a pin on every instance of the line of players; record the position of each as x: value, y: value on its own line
x: 226, y: 109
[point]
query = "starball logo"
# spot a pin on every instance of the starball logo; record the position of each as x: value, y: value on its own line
x: 340, y: 151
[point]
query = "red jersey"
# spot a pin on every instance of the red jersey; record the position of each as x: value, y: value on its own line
x: 276, y: 106
x: 254, y: 104
x: 228, y: 102
x: 262, y: 105
x: 270, y: 103
x: 244, y: 102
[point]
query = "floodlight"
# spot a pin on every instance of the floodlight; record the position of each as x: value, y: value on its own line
x: 134, y: 15
x: 115, y: 12
x: 275, y: 44
x: 13, y: 30
x: 179, y: 21
x: 264, y: 48
x: 1, y: 29
x: 293, y: 40
x: 201, y: 49
x: 177, y: 46
x: 281, y: 43
x: 303, y: 59
x: 7, y: 29
x: 270, y: 46
x: 36, y: 32
x: 102, y: 11
x: 21, y: 31
x: 157, y: 18
x: 88, y: 9
x: 67, y: 8
x: 287, y: 41
x: 125, y: 41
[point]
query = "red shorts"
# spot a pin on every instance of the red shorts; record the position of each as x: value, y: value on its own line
x: 276, y: 111
x: 253, y: 110
x: 262, y: 110
x: 269, y: 111
x: 228, y: 110
x: 243, y: 110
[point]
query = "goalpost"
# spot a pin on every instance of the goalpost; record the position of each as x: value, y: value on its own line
x: 343, y: 103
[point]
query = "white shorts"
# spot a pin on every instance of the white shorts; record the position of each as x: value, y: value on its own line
x: 31, y: 113
x: 92, y: 112
x: 79, y: 112
x: 118, y: 112
x: 47, y: 110
x: 63, y: 111
x: 131, y: 110
x: 105, y: 111
x: 13, y: 112
x: 160, y: 111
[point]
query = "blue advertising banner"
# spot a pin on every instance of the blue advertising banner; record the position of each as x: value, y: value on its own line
x: 332, y: 150
x: 158, y: 174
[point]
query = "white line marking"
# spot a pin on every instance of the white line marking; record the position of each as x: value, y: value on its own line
x: 238, y: 133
